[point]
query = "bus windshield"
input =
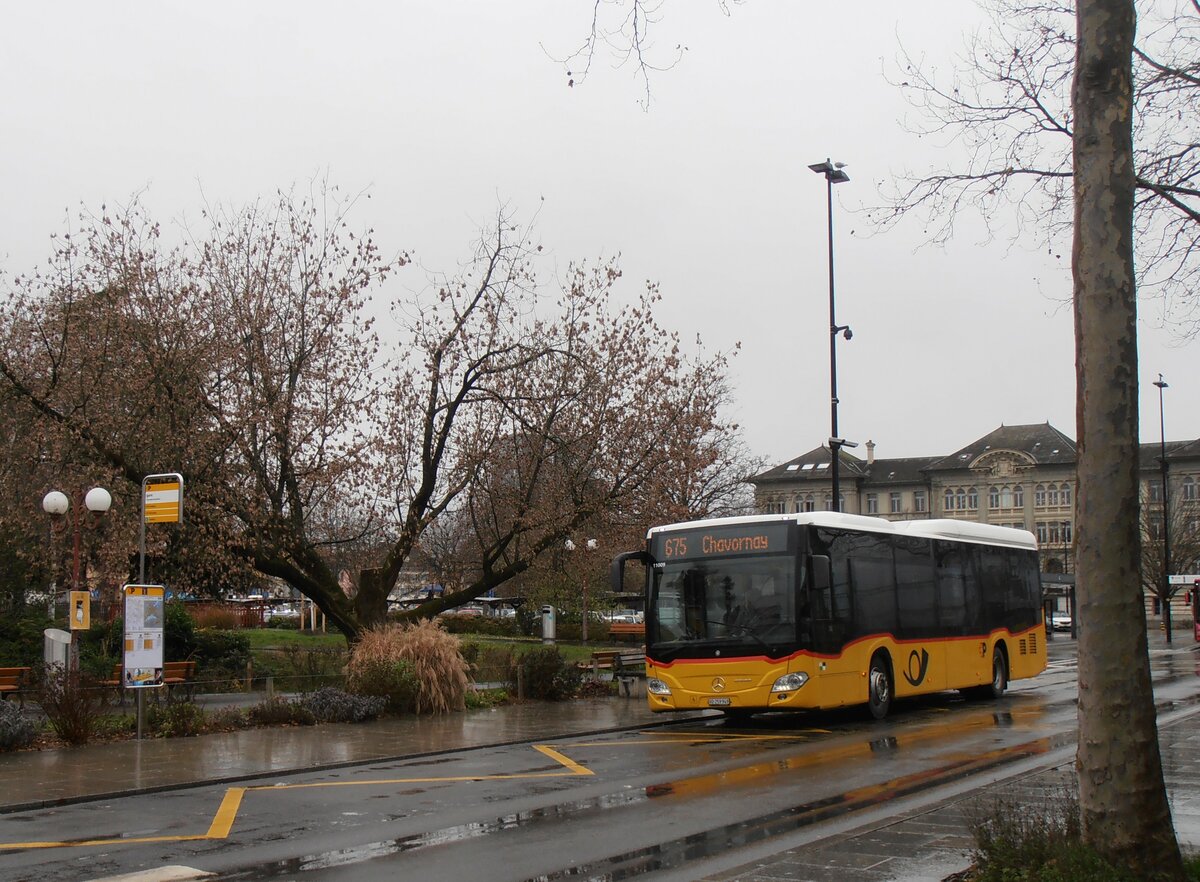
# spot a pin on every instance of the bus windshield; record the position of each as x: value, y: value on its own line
x: 745, y: 601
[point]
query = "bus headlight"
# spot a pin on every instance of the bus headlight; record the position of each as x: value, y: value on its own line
x: 657, y: 687
x: 790, y: 682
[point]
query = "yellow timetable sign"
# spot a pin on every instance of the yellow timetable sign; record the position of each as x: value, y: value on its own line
x: 163, y: 499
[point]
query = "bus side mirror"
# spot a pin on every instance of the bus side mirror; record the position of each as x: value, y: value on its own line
x: 822, y: 572
x: 616, y: 572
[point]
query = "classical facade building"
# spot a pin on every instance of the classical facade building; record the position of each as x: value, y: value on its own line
x: 1015, y: 476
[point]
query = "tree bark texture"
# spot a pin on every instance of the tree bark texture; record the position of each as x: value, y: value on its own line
x: 1122, y: 796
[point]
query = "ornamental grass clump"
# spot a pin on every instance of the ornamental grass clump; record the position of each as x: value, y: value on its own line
x: 417, y: 667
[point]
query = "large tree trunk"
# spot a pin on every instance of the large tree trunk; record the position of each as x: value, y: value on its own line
x: 1121, y: 791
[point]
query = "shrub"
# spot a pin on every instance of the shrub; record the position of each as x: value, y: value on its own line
x: 593, y: 687
x: 226, y: 719
x: 279, y: 711
x: 423, y: 651
x: 21, y: 638
x: 478, y: 699
x: 1038, y: 842
x: 217, y: 617
x: 492, y: 626
x: 312, y: 667
x: 176, y: 719
x: 72, y: 702
x: 330, y: 705
x: 220, y: 653
x: 16, y: 729
x: 393, y: 680
x: 547, y: 675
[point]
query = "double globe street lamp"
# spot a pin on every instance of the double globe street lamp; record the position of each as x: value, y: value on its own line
x: 57, y: 504
x: 589, y: 545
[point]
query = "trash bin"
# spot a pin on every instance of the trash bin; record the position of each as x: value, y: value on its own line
x: 548, y: 624
x: 57, y: 650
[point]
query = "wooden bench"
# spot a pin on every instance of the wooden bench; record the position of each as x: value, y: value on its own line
x: 626, y: 665
x: 14, y: 681
x: 181, y: 674
x: 627, y: 631
x: 601, y: 660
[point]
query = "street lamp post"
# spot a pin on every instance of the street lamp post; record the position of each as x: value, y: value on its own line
x: 834, y: 174
x: 589, y: 545
x: 57, y: 504
x: 1166, y: 510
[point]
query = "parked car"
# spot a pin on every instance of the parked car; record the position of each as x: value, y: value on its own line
x: 1060, y: 621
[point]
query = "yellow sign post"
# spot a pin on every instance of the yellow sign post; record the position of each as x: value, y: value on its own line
x: 80, y: 610
x: 162, y: 499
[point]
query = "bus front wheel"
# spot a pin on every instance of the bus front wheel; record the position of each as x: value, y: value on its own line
x: 879, y: 686
x: 999, y: 674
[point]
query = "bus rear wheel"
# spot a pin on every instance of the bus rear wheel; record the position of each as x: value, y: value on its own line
x: 879, y: 686
x: 999, y: 684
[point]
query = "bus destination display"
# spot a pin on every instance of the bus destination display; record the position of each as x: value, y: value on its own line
x: 720, y: 542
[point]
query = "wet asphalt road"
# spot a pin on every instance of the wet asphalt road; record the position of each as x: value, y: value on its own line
x: 677, y: 799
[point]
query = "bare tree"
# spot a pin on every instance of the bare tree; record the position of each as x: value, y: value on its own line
x: 1182, y: 525
x: 245, y: 357
x: 1122, y: 796
x: 1007, y: 102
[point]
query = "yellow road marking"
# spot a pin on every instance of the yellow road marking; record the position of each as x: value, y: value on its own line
x: 222, y: 821
x: 566, y: 761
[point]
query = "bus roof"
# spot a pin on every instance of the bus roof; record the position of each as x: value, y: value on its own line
x: 927, y: 528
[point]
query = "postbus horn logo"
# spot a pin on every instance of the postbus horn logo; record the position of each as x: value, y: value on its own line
x: 921, y: 663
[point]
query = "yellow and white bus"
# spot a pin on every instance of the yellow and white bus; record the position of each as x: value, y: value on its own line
x: 823, y: 610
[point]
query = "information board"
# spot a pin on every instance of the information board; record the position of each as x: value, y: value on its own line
x: 145, y: 615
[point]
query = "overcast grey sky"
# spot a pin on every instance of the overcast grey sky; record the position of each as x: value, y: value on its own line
x: 442, y: 111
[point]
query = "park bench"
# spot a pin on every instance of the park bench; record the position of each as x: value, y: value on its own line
x: 14, y: 681
x: 180, y: 674
x: 626, y: 665
x: 627, y: 631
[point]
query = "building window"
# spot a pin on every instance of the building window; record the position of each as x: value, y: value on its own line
x: 1043, y: 533
x: 1066, y: 494
x: 972, y: 499
x: 1155, y: 491
x: 1052, y: 495
x: 1018, y: 496
x: 1155, y: 526
x: 919, y: 501
x: 872, y: 503
x: 994, y: 497
x: 810, y: 504
x: 894, y: 503
x: 960, y: 499
x: 948, y: 504
x: 1066, y: 532
x: 796, y: 508
x: 1039, y: 496
x: 828, y: 502
x: 1189, y: 489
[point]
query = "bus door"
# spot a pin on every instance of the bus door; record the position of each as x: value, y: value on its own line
x: 837, y: 673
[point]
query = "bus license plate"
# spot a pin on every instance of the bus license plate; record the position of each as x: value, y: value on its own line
x: 718, y: 702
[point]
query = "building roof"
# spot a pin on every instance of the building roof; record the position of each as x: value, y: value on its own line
x: 1041, y: 442
x: 813, y: 466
